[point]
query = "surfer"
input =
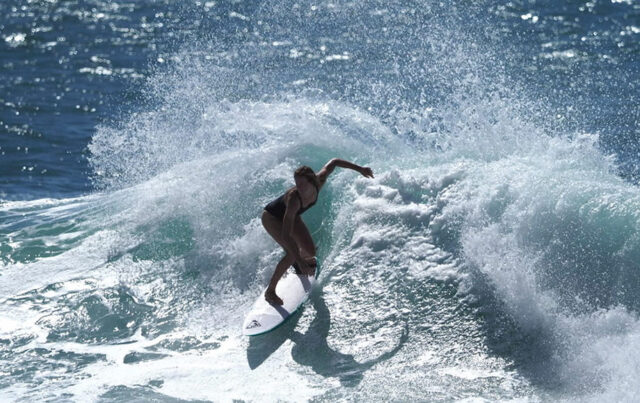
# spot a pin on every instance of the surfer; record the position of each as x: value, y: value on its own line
x: 281, y: 219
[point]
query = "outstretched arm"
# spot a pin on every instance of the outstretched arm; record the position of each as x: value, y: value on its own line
x: 324, y: 173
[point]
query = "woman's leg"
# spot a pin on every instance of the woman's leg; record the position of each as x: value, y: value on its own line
x: 301, y: 236
x: 282, y: 266
x: 273, y: 226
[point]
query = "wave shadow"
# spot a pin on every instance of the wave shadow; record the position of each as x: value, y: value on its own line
x: 534, y: 352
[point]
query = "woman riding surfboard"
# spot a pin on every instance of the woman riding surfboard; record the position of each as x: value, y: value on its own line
x: 281, y: 219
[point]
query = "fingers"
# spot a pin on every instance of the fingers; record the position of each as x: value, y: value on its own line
x: 303, y: 264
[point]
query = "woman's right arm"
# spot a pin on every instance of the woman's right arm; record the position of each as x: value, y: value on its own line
x: 326, y: 170
x: 293, y: 205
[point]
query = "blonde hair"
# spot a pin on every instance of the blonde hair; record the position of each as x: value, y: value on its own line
x: 307, y: 172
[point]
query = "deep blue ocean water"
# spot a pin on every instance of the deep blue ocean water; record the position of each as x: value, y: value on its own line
x: 495, y: 256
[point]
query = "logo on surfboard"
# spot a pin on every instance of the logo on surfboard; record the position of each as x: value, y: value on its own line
x: 254, y: 323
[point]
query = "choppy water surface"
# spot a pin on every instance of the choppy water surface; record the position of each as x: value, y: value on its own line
x: 494, y: 256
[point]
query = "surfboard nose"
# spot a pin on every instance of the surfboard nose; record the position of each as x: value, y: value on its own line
x: 293, y: 289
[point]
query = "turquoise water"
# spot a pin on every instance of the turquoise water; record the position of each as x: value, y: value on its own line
x: 493, y: 257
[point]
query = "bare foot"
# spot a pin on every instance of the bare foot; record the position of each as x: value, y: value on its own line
x: 272, y: 298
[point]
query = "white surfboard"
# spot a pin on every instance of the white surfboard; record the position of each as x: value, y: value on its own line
x: 293, y: 289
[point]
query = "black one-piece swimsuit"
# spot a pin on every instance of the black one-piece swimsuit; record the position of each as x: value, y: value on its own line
x: 278, y: 207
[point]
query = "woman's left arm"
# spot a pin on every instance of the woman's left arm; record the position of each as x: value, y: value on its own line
x: 324, y: 173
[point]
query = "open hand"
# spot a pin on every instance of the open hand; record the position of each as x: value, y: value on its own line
x: 306, y: 266
x: 366, y: 172
x: 307, y: 269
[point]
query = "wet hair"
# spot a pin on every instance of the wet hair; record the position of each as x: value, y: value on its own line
x: 307, y: 172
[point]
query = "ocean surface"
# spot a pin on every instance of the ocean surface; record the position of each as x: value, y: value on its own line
x: 494, y: 257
